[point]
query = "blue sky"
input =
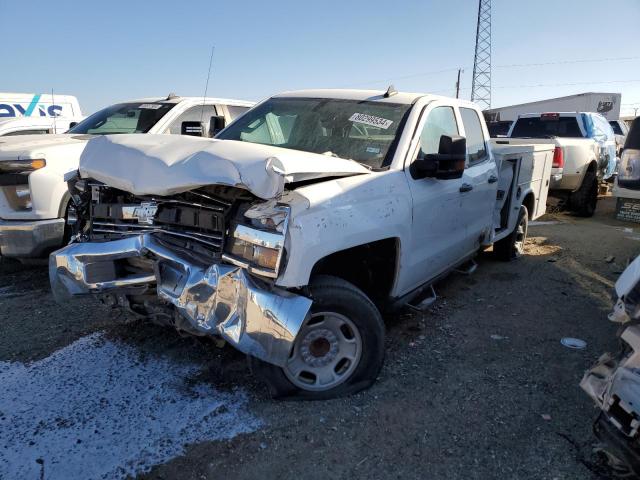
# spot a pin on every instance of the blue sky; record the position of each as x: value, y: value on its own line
x: 103, y: 52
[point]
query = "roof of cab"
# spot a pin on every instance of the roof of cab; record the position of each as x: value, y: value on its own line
x: 366, y: 95
x: 178, y: 99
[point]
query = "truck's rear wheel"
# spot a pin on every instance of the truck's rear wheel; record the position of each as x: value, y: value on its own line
x: 583, y: 201
x: 338, y: 351
x: 511, y: 247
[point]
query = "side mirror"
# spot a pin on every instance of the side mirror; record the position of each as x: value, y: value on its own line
x: 447, y: 164
x: 194, y: 129
x: 216, y: 123
x: 72, y: 124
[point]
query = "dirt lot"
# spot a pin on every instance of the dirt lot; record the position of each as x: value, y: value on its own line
x: 480, y: 387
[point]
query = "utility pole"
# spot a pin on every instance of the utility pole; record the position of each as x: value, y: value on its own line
x: 481, y: 83
x: 458, y: 84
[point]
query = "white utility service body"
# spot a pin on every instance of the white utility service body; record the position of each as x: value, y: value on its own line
x: 33, y: 202
x: 337, y: 200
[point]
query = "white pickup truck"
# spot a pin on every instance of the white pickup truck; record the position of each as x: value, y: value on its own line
x: 289, y: 233
x: 34, y: 201
x: 585, y: 153
x: 11, y: 127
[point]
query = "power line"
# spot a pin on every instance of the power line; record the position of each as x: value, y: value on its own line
x: 513, y: 65
x: 567, y: 62
x: 562, y: 84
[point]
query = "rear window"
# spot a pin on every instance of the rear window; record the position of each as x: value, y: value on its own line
x: 616, y: 128
x: 547, y: 127
x: 499, y: 129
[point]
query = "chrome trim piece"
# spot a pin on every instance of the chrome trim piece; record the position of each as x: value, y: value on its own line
x: 143, y: 213
x: 19, y: 238
x: 219, y: 299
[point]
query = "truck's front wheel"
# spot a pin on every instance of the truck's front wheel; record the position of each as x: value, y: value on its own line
x: 339, y: 349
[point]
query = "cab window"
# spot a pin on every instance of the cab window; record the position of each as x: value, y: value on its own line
x: 441, y: 121
x: 27, y: 132
x: 476, y: 147
x: 199, y: 113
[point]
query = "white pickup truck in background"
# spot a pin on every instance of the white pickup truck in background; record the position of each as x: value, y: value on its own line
x: 620, y: 130
x: 10, y: 127
x: 585, y: 153
x: 34, y: 201
x: 291, y: 231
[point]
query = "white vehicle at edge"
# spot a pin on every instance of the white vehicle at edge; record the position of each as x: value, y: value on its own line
x: 34, y: 198
x: 290, y: 232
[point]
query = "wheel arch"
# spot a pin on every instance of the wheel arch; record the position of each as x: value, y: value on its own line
x: 372, y: 267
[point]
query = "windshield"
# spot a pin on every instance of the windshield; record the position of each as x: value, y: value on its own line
x: 364, y: 131
x: 542, y: 127
x: 135, y: 117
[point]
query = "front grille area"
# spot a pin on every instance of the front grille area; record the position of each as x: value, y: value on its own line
x: 191, y: 220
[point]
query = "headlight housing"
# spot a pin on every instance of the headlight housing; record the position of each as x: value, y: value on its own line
x: 22, y: 167
x: 14, y: 179
x: 256, y: 242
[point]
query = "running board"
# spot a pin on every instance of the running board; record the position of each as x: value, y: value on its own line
x: 467, y: 268
x: 425, y: 303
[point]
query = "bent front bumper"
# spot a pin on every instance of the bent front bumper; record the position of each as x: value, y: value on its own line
x: 218, y: 299
x: 20, y: 238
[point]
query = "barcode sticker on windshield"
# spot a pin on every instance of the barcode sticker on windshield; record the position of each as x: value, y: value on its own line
x: 371, y: 120
x: 151, y: 106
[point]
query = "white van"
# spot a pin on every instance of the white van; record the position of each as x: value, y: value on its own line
x: 38, y: 105
x: 35, y: 113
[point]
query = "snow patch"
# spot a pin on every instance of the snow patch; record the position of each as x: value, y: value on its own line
x: 97, y: 409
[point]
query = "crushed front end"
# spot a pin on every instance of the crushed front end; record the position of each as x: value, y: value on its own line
x: 613, y: 383
x: 202, y: 261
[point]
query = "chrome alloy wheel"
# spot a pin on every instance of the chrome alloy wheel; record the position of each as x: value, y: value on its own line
x: 326, y: 352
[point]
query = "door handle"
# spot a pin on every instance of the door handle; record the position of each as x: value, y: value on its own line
x: 466, y: 187
x: 493, y: 179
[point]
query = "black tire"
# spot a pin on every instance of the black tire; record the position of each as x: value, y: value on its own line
x: 332, y: 294
x: 511, y: 247
x: 583, y: 201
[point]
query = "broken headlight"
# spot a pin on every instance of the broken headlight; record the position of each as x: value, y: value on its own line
x: 257, y: 243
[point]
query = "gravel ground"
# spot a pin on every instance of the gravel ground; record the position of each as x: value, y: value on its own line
x: 479, y: 387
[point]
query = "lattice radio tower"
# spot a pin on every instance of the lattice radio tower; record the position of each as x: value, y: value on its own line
x: 481, y: 86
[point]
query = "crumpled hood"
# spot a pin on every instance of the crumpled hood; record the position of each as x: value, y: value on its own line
x: 28, y: 146
x: 169, y: 164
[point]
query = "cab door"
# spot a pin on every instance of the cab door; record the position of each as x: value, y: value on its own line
x: 479, y: 183
x: 437, y: 236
